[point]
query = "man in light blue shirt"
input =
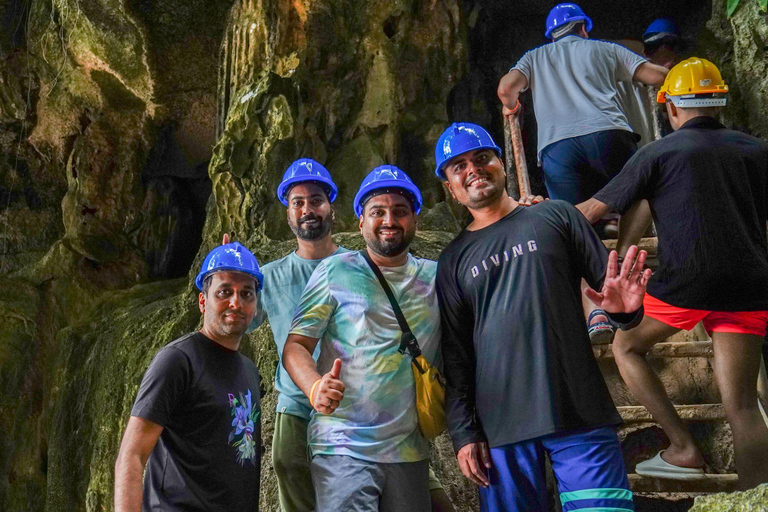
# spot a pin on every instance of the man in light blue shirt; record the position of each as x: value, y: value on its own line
x: 307, y: 191
x: 574, y: 82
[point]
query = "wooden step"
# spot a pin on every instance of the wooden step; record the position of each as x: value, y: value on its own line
x: 649, y: 245
x: 664, y: 349
x: 707, y: 484
x: 699, y: 412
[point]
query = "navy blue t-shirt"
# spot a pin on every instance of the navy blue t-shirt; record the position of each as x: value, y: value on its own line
x: 208, y: 456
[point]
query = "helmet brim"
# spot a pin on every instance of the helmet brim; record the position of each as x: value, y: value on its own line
x: 365, y: 194
x: 285, y: 187
x: 258, y: 276
x: 439, y: 169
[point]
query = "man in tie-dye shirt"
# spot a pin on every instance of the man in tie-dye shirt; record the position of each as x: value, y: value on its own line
x: 367, y: 450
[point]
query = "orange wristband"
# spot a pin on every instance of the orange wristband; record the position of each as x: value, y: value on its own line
x: 312, y: 392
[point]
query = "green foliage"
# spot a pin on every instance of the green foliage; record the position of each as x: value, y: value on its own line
x: 731, y: 7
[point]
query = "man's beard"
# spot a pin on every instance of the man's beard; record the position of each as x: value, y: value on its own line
x: 393, y: 247
x: 231, y: 328
x: 313, y: 233
x: 486, y: 199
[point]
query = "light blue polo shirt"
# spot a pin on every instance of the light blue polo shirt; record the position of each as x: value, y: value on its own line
x: 284, y: 282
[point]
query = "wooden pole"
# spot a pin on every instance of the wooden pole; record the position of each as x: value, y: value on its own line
x: 516, y: 140
x: 512, y: 188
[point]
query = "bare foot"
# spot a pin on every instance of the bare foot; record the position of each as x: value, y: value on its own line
x: 688, y: 457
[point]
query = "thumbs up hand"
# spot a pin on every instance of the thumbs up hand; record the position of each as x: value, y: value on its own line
x: 328, y: 391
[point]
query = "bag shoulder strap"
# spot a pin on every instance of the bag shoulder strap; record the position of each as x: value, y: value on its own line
x: 408, y: 340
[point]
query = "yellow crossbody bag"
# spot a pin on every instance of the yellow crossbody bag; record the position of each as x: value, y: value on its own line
x: 430, y: 385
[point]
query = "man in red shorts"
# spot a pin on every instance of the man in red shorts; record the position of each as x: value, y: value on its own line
x: 707, y: 189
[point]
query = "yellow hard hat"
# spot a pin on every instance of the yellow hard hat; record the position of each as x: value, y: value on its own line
x: 690, y: 78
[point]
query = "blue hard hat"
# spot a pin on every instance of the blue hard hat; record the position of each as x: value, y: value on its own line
x: 661, y: 28
x: 459, y: 138
x: 306, y: 170
x: 387, y: 177
x: 565, y: 13
x: 231, y: 257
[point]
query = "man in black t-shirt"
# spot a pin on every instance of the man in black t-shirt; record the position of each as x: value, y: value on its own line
x: 707, y: 189
x: 521, y: 376
x: 197, y: 416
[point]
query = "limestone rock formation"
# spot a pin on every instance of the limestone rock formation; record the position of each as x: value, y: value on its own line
x: 350, y: 84
x: 754, y: 500
x: 738, y: 45
x: 108, y: 115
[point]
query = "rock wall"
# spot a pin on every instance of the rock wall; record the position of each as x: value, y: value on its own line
x: 752, y: 500
x: 108, y: 118
x: 350, y: 84
x: 738, y: 46
x: 134, y: 133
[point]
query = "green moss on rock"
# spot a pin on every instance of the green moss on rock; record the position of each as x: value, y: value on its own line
x: 753, y: 500
x: 98, y: 369
x: 23, y: 479
x: 737, y: 45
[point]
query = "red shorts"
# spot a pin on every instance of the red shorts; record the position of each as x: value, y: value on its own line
x: 741, y: 322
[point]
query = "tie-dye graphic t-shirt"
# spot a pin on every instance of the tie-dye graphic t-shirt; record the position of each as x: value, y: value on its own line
x: 345, y: 307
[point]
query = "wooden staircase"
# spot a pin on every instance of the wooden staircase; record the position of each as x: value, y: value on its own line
x: 684, y: 363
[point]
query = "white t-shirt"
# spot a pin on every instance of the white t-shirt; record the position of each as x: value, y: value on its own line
x: 635, y: 102
x: 573, y: 81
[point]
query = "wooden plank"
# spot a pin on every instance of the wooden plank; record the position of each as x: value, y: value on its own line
x: 699, y: 412
x: 709, y: 483
x: 650, y: 245
x: 665, y: 349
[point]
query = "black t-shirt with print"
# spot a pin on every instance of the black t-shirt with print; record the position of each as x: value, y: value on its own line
x: 515, y: 348
x: 208, y: 456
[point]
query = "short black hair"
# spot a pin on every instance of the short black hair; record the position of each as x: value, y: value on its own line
x: 209, y: 279
x: 675, y: 44
x: 702, y: 111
